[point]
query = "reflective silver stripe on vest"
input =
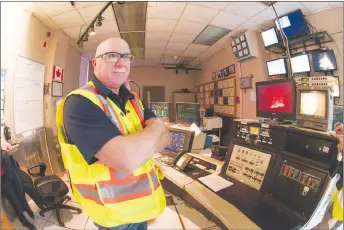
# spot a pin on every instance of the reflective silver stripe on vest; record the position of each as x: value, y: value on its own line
x: 138, y: 104
x: 89, y: 194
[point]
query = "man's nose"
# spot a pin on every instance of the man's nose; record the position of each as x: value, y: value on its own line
x: 120, y: 63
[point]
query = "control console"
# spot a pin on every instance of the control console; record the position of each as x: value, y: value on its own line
x: 248, y: 166
x: 255, y: 134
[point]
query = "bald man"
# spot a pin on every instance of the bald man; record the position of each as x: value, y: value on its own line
x: 112, y: 137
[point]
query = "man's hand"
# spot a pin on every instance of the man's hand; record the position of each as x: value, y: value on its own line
x: 164, y: 141
x: 6, y: 146
x: 157, y: 124
x: 340, y: 145
x: 338, y: 127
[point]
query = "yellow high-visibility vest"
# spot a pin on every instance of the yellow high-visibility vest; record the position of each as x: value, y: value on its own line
x: 109, y: 197
x: 337, y: 208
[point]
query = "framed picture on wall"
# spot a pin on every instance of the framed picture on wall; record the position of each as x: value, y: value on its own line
x: 213, y: 76
x: 219, y: 74
x: 231, y: 69
x: 226, y: 71
x: 57, y: 89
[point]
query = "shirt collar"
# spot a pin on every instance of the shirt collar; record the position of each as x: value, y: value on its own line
x: 124, y: 92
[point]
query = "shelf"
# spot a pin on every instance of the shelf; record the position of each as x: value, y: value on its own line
x: 304, y: 41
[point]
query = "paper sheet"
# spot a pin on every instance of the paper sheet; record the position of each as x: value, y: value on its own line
x: 215, y: 182
x: 253, y: 95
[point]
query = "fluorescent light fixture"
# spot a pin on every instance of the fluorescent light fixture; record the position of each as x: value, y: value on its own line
x: 210, y: 35
x: 130, y: 16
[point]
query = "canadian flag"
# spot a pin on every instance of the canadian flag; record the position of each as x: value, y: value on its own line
x: 57, y: 73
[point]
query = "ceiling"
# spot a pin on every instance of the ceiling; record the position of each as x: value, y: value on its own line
x: 171, y: 27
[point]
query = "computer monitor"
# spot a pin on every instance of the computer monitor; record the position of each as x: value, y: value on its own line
x: 188, y: 113
x: 324, y: 60
x: 270, y: 37
x: 300, y: 64
x: 276, y: 99
x: 162, y: 110
x: 293, y: 24
x: 181, y: 140
x: 277, y: 67
x: 314, y: 107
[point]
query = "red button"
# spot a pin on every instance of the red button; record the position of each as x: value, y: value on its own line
x: 286, y: 168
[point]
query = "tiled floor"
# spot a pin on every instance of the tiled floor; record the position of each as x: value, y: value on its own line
x: 176, y: 216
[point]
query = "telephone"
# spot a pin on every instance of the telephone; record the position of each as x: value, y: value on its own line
x: 182, y: 160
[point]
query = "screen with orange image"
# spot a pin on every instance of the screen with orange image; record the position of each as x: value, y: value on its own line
x: 276, y: 97
x: 313, y: 103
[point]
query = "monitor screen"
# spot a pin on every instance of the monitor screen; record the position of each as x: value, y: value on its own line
x: 188, y: 113
x: 161, y: 109
x: 276, y: 99
x: 324, y: 61
x: 300, y: 64
x: 177, y: 142
x: 313, y: 103
x: 269, y: 37
x: 277, y: 67
x: 293, y: 24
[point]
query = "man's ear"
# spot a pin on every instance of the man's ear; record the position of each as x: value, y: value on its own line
x: 94, y: 62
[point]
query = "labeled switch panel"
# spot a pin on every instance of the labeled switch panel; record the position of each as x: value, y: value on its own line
x: 248, y: 166
x: 306, y: 179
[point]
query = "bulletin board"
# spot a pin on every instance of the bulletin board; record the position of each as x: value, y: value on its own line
x: 219, y: 94
x: 28, y: 95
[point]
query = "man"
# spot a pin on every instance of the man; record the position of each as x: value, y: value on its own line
x: 108, y: 140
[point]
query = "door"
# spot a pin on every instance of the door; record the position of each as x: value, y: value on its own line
x: 153, y: 94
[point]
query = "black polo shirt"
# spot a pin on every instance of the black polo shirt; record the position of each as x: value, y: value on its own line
x: 87, y: 126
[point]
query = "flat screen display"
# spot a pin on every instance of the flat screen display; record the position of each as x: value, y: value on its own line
x: 324, y: 61
x: 161, y: 109
x: 275, y: 98
x: 300, y: 64
x: 269, y: 37
x: 277, y: 67
x: 293, y: 24
x: 188, y: 113
x: 177, y: 142
x: 313, y: 103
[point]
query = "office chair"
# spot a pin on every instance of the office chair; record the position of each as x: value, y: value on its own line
x: 50, y: 192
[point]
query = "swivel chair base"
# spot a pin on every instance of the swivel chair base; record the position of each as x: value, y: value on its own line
x: 57, y: 208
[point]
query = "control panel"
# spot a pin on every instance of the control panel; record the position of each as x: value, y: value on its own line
x: 254, y: 134
x: 248, y: 166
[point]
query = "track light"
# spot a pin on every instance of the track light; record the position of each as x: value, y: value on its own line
x: 187, y: 71
x: 99, y: 21
x: 85, y: 38
x: 176, y: 71
x: 91, y: 32
x: 81, y: 45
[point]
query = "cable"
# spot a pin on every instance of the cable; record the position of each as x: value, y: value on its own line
x: 286, y: 44
x: 137, y: 87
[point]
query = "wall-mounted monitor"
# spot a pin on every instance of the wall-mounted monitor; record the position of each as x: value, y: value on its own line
x: 270, y: 37
x: 300, y: 64
x: 276, y: 99
x: 324, y: 60
x: 277, y: 67
x: 162, y: 110
x: 293, y: 24
x: 188, y: 113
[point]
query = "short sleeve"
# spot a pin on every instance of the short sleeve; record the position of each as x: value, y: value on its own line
x: 87, y: 126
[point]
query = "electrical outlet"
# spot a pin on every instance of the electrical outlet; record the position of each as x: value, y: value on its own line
x: 246, y: 82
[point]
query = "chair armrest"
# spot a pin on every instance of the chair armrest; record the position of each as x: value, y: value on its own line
x: 42, y: 169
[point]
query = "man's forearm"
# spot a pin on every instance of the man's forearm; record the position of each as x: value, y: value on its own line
x: 127, y: 153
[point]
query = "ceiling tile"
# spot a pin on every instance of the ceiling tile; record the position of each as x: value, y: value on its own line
x: 156, y: 45
x: 165, y: 10
x: 177, y: 46
x: 245, y: 9
x: 157, y: 36
x: 182, y: 38
x: 164, y: 25
x: 266, y: 17
x: 107, y: 28
x: 197, y: 47
x: 69, y: 19
x: 213, y: 50
x: 90, y: 46
x: 284, y: 8
x: 185, y: 27
x: 38, y: 12
x: 195, y: 62
x: 251, y: 26
x: 184, y: 60
x: 316, y: 6
x: 153, y: 53
x: 50, y: 24
x: 168, y: 59
x: 200, y: 14
x: 74, y: 32
x: 223, y: 42
x: 89, y: 13
x: 173, y: 52
x: 192, y: 53
x: 336, y: 4
x: 55, y: 8
x: 213, y: 5
x: 86, y: 4
x: 204, y: 56
x: 103, y: 37
x: 227, y: 20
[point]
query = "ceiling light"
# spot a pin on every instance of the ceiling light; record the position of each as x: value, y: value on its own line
x: 85, y: 38
x: 81, y: 45
x: 99, y: 21
x: 91, y: 32
x: 210, y: 35
x: 187, y: 71
x: 176, y: 71
x: 175, y: 57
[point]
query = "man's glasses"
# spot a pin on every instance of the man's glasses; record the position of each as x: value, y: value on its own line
x: 113, y: 57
